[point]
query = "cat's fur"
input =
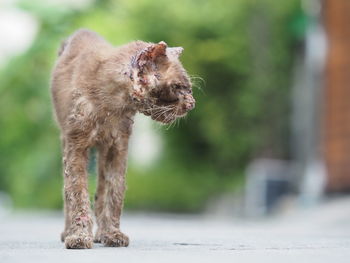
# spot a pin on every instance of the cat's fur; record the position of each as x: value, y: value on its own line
x: 96, y: 90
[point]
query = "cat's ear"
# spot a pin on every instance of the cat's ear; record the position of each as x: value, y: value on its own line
x: 150, y: 55
x: 174, y: 51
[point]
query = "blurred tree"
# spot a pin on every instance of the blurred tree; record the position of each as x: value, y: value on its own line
x: 238, y: 52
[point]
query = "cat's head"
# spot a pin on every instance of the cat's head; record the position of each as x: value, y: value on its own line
x: 161, y: 86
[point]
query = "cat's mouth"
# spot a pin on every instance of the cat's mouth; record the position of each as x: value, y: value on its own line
x: 167, y: 111
x: 166, y: 105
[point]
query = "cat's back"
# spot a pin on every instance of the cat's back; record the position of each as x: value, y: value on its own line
x: 81, y: 42
x: 78, y: 58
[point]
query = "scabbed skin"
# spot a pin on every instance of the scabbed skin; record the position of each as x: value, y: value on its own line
x: 96, y: 91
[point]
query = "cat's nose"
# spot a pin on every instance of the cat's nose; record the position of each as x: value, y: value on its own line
x: 189, y: 106
x: 190, y: 103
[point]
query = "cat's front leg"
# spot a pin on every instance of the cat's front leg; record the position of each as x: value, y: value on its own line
x: 79, y: 232
x: 110, y: 194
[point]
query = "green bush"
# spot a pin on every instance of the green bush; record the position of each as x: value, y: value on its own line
x: 239, y: 53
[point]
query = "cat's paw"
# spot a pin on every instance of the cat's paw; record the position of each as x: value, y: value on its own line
x: 80, y: 240
x: 97, y: 237
x: 114, y: 239
x: 63, y: 236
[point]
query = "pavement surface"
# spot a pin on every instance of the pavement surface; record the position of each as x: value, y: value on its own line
x: 320, y: 234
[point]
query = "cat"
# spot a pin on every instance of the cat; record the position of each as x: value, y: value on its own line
x: 97, y: 89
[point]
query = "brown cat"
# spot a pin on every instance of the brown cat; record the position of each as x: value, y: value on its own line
x: 97, y: 89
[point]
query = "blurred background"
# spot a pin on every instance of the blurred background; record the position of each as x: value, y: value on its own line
x: 270, y: 130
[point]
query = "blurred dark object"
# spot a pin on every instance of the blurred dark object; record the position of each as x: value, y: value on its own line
x: 268, y: 182
x: 272, y: 181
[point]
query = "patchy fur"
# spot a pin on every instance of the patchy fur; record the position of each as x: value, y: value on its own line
x: 96, y: 90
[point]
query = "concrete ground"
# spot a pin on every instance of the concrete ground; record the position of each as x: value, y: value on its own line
x: 318, y: 235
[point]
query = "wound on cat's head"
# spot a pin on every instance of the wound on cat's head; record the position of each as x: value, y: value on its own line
x: 162, y: 88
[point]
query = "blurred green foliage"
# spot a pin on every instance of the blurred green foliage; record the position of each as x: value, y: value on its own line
x: 239, y: 53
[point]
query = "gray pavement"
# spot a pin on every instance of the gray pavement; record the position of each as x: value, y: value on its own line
x: 317, y: 235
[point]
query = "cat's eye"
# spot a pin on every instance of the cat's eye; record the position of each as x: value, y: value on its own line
x: 176, y: 86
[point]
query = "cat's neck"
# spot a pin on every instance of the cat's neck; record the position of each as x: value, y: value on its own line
x: 116, y: 81
x: 111, y: 83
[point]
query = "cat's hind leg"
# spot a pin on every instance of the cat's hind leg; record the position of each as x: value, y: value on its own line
x: 100, y: 193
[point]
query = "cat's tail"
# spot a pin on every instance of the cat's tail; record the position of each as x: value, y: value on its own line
x: 62, y: 47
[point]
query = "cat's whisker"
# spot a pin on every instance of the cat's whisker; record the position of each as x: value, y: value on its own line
x: 164, y: 107
x: 175, y: 122
x: 178, y: 122
x: 196, y: 77
x: 161, y: 113
x: 171, y: 117
x: 167, y: 122
x: 197, y: 81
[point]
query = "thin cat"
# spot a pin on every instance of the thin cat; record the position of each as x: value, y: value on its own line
x: 96, y: 90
